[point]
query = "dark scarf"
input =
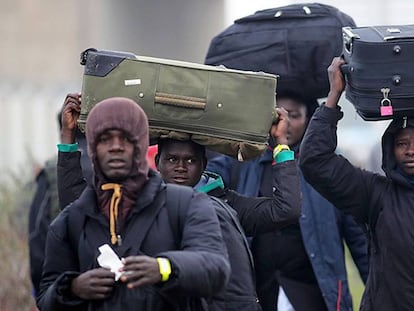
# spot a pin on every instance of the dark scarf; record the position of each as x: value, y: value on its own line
x: 116, y: 200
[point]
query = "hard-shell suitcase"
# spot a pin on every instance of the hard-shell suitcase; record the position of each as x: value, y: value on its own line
x: 296, y: 41
x: 229, y: 111
x: 380, y: 70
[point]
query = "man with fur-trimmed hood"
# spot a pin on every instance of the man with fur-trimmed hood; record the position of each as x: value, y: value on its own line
x: 167, y: 263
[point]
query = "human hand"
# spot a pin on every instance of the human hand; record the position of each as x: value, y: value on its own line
x: 70, y: 114
x: 279, y: 130
x: 140, y: 270
x: 93, y: 284
x: 336, y: 81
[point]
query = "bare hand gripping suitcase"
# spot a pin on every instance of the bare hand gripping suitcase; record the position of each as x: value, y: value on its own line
x: 380, y: 70
x: 229, y: 111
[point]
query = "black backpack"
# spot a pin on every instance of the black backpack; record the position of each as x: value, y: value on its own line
x: 296, y: 42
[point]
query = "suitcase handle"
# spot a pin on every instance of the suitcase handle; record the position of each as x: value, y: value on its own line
x: 180, y: 100
x: 348, y: 39
x: 346, y: 69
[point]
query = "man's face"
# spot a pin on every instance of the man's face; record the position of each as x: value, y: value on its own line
x: 115, y: 153
x: 297, y: 116
x: 404, y: 150
x: 179, y: 163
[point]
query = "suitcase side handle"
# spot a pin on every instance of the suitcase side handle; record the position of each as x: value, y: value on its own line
x: 348, y: 39
x: 180, y: 100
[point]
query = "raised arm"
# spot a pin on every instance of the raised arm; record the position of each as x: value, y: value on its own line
x: 69, y: 172
x: 264, y: 214
x: 344, y: 185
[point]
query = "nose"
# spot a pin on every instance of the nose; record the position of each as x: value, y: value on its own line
x: 117, y: 144
x: 181, y: 166
x: 410, y: 149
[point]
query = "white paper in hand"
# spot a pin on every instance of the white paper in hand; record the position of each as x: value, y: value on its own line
x: 109, y: 259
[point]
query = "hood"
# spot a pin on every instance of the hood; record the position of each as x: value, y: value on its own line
x: 389, y: 163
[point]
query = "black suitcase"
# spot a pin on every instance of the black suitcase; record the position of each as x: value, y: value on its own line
x: 380, y: 70
x: 297, y: 42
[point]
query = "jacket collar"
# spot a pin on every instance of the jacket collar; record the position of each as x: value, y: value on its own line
x: 145, y: 198
x: 208, y: 182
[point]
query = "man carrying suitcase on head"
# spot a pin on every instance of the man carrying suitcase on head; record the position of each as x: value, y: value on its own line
x: 183, y: 162
x: 383, y: 203
x: 166, y: 262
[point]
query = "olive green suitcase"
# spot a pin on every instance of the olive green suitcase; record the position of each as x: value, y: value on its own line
x: 229, y: 111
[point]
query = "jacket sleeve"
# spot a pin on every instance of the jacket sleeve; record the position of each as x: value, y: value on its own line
x: 221, y: 165
x: 38, y: 228
x: 69, y: 177
x: 357, y: 241
x: 201, y: 267
x: 345, y: 186
x: 263, y: 214
x: 60, y: 268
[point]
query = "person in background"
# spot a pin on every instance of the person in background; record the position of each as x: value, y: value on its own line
x: 383, y: 203
x: 45, y: 204
x: 304, y: 263
x: 183, y: 163
x: 162, y: 261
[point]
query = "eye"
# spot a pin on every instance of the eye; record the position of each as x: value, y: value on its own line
x: 294, y: 115
x: 172, y: 160
x: 401, y: 144
x: 103, y: 139
x: 191, y: 161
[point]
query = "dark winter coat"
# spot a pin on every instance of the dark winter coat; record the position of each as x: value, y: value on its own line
x: 199, y: 263
x: 45, y: 207
x: 238, y: 213
x: 327, y: 258
x: 253, y: 215
x: 263, y: 214
x: 384, y: 203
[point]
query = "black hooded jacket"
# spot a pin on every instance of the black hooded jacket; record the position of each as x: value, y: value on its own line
x: 200, y: 267
x: 384, y: 203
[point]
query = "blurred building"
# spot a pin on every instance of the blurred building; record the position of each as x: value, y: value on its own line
x: 41, y: 43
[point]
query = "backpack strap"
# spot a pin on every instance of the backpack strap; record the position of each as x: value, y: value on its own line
x: 178, y: 200
x: 77, y: 217
x: 236, y: 224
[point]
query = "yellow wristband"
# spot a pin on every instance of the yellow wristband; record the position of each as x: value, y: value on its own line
x: 279, y: 148
x: 165, y: 268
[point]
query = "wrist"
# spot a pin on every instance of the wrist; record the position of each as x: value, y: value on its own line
x: 68, y: 147
x: 283, y: 141
x: 282, y: 153
x: 279, y: 148
x: 164, y: 266
x: 333, y: 98
x: 67, y: 137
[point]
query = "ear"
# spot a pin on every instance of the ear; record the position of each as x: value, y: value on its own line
x: 204, y: 163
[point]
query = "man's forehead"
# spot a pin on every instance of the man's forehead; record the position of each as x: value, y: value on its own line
x: 180, y: 148
x: 405, y: 132
x: 114, y: 131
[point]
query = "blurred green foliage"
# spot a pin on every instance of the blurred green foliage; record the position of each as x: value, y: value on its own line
x: 15, y: 291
